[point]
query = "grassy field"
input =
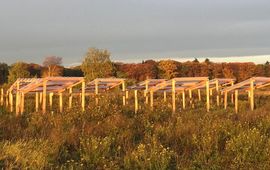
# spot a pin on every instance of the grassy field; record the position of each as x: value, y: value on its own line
x: 112, y: 136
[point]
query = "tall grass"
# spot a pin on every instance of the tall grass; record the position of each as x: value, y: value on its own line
x: 112, y: 136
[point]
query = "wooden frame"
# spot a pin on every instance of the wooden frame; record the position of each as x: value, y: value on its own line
x: 182, y: 84
x: 101, y: 85
x: 249, y: 85
x: 145, y: 86
x: 216, y: 84
x: 43, y: 86
x: 47, y: 87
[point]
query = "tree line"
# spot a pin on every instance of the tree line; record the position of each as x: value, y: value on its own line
x: 97, y: 63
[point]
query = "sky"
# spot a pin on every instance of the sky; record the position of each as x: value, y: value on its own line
x: 135, y: 30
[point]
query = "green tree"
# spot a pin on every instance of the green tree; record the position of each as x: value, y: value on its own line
x: 18, y: 70
x: 97, y: 64
x: 3, y: 73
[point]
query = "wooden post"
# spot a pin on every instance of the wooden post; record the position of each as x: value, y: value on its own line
x: 190, y: 96
x: 83, y: 96
x: 70, y: 98
x: 221, y: 98
x: 173, y: 96
x: 232, y: 98
x: 22, y: 103
x: 124, y: 94
x: 40, y: 98
x: 225, y: 99
x: 2, y: 96
x: 146, y: 87
x: 151, y: 99
x: 51, y: 100
x: 44, y: 93
x: 199, y: 95
x: 184, y: 99
x: 17, y: 98
x: 236, y: 101
x: 7, y: 99
x: 146, y: 91
x: 146, y: 99
x: 37, y: 102
x: 210, y: 95
x: 136, y: 101
x: 165, y: 96
x: 207, y: 96
x: 127, y: 96
x: 11, y: 101
x: 96, y: 91
x: 61, y: 102
x: 217, y: 91
x: 252, y: 95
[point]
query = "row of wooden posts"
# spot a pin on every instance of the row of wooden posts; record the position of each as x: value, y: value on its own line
x: 41, y: 97
x: 209, y: 92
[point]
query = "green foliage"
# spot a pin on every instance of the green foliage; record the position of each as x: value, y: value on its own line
x: 18, y: 70
x: 95, y: 151
x: 112, y: 136
x: 249, y: 150
x: 33, y: 154
x: 96, y: 64
x: 150, y: 156
x: 3, y: 73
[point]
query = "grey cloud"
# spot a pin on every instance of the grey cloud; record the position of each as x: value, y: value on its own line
x: 33, y: 29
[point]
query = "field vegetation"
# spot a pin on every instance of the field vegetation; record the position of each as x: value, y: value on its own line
x: 112, y: 136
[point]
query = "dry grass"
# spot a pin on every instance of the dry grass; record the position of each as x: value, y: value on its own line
x: 110, y: 136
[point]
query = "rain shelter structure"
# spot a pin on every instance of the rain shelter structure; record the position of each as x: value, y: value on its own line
x: 181, y: 84
x: 144, y: 86
x: 101, y: 85
x: 215, y: 84
x: 41, y: 87
x: 248, y: 86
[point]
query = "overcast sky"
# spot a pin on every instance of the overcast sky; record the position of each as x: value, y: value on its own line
x: 133, y: 30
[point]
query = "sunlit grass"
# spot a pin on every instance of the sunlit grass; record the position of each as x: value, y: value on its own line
x: 112, y: 136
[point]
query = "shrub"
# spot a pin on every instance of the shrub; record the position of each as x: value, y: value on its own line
x: 151, y: 155
x: 248, y: 150
x: 31, y: 154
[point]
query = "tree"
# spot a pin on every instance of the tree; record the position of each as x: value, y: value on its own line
x: 267, y: 69
x: 207, y: 61
x: 246, y: 70
x: 168, y: 69
x: 195, y: 60
x: 97, y: 64
x: 3, y: 73
x: 73, y: 72
x: 52, y: 66
x: 259, y: 71
x: 227, y: 71
x: 18, y: 70
x: 34, y: 69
